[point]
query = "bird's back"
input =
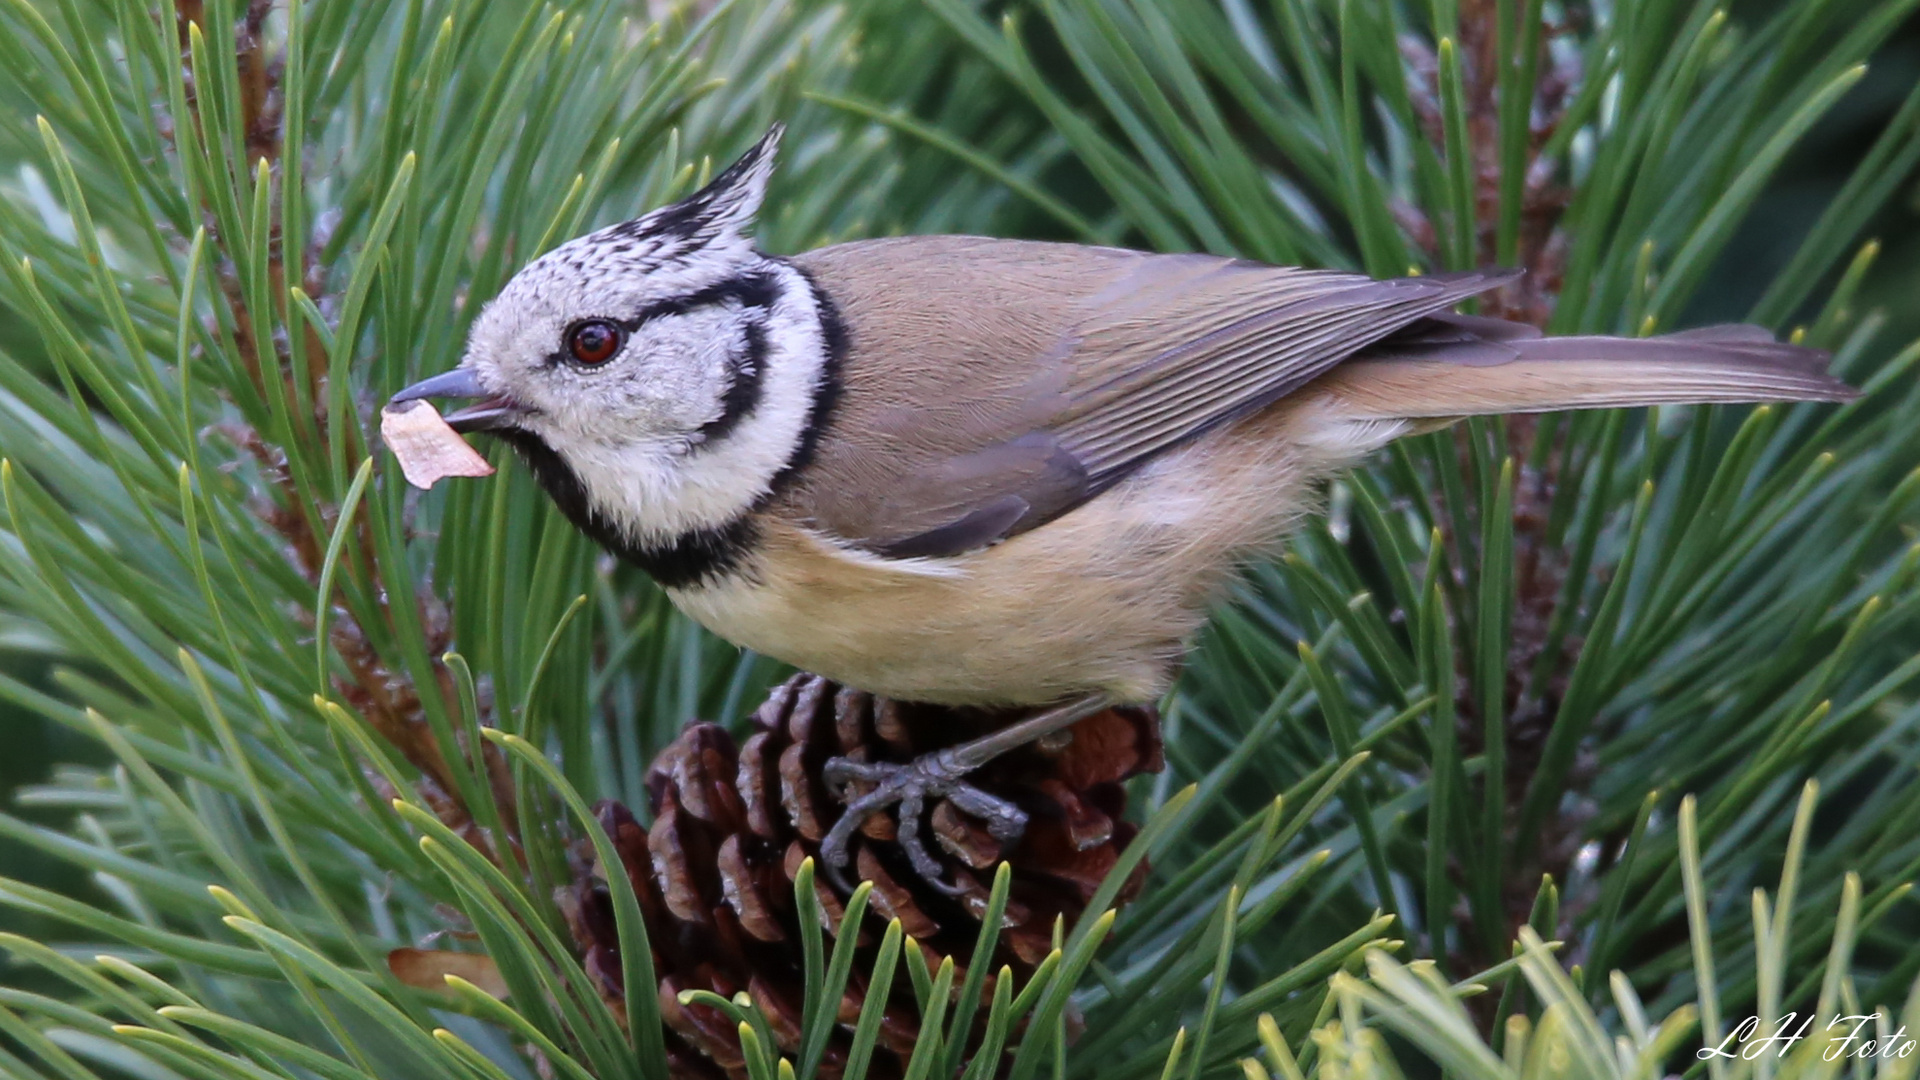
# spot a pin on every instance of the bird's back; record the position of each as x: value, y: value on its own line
x: 992, y: 385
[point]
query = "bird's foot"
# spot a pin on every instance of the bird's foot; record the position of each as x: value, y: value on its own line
x: 939, y: 775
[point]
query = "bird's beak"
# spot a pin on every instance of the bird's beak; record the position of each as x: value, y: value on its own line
x: 491, y: 413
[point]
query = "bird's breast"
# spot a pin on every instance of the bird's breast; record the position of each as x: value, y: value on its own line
x: 1103, y: 598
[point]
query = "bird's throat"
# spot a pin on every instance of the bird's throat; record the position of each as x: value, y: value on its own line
x: 691, y: 558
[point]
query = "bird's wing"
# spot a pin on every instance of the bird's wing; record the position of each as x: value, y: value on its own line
x: 992, y: 385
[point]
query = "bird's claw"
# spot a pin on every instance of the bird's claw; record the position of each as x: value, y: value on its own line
x: 910, y: 787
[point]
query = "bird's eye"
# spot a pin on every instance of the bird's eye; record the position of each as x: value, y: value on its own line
x: 594, y: 341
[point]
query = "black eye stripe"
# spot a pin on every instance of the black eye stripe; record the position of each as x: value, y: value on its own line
x: 744, y: 390
x: 757, y: 290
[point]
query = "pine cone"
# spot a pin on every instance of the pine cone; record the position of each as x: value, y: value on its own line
x: 731, y: 827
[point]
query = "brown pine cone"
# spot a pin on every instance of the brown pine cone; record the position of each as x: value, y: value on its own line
x: 731, y: 827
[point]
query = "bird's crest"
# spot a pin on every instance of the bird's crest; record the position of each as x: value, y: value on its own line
x: 718, y: 215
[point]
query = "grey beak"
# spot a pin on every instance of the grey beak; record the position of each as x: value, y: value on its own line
x: 490, y: 414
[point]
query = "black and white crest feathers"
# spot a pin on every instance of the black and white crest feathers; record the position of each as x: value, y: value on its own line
x: 718, y: 215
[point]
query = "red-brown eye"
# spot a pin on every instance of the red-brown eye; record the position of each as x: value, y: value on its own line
x: 594, y: 341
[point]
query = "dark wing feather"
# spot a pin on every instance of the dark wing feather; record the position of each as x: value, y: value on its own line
x: 993, y: 385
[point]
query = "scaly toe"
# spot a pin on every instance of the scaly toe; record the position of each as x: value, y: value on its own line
x: 910, y: 786
x: 833, y: 846
x: 1005, y: 822
x: 924, y: 863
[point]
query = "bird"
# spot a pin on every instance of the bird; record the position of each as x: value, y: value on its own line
x: 992, y: 472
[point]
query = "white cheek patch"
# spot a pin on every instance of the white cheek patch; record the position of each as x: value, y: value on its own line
x: 426, y: 447
x: 680, y: 366
x: 659, y: 487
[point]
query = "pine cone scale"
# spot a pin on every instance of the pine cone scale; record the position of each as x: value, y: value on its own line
x: 734, y: 823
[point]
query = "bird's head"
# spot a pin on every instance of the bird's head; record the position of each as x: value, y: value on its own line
x: 624, y: 332
x: 664, y: 362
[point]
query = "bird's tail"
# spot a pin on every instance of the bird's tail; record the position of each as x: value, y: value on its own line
x: 1458, y: 365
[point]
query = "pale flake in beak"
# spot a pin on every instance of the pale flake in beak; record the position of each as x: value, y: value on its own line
x: 426, y: 446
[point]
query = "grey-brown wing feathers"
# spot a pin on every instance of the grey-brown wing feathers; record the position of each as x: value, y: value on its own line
x: 1302, y: 325
x: 993, y: 385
